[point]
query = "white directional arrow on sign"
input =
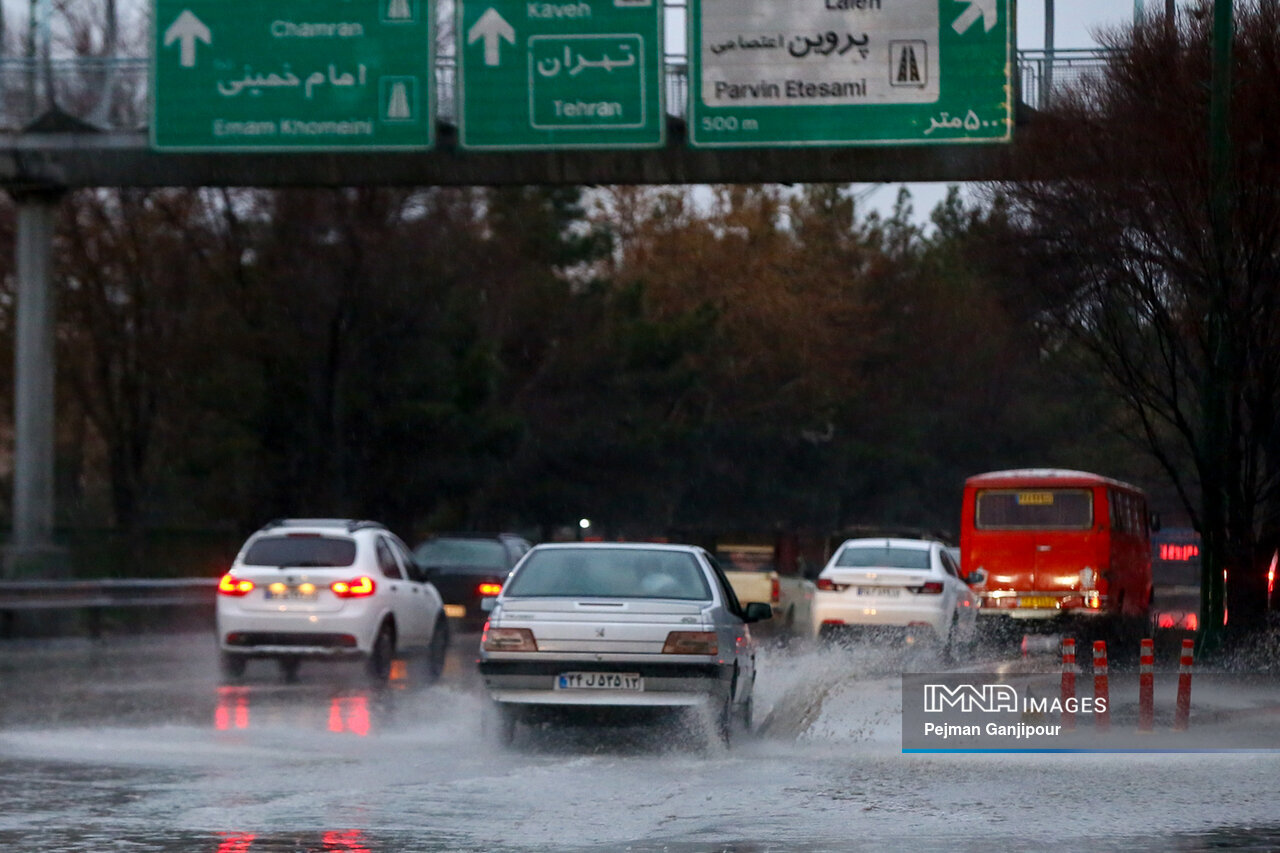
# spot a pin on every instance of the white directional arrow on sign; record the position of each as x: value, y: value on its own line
x: 187, y: 29
x: 985, y: 9
x: 491, y: 27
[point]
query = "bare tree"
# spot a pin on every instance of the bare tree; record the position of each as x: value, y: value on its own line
x: 1119, y: 245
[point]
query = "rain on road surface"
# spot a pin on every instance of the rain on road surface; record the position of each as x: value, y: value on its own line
x: 132, y: 744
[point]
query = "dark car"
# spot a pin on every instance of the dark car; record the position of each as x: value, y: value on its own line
x: 467, y: 567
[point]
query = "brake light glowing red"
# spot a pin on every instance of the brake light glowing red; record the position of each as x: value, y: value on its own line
x: 487, y: 589
x: 1165, y: 620
x: 361, y: 587
x: 1175, y: 552
x: 232, y: 585
x: 775, y: 591
x: 1192, y: 622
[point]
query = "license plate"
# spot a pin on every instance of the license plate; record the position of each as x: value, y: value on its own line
x: 1038, y: 601
x: 455, y: 611
x: 600, y: 681
x: 290, y: 594
x: 881, y: 591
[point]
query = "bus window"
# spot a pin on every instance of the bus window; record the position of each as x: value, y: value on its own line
x: 1039, y: 509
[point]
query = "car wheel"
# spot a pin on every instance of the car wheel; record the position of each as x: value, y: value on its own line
x: 747, y: 714
x: 289, y: 669
x: 232, y: 665
x: 433, y: 665
x: 382, y: 653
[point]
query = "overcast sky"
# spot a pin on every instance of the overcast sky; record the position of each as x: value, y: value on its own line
x: 1075, y: 21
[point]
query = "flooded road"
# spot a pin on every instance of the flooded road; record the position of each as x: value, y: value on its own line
x: 135, y: 745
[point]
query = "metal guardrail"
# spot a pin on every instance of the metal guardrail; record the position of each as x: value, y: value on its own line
x: 1043, y: 73
x: 95, y: 594
x: 114, y: 93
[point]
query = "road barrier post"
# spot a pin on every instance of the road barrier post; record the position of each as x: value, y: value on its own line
x: 1068, y: 683
x: 1101, y: 690
x: 1182, y: 717
x: 1146, y: 686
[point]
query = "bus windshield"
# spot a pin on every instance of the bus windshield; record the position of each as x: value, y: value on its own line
x: 1034, y: 509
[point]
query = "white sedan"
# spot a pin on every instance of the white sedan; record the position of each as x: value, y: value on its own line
x: 904, y: 589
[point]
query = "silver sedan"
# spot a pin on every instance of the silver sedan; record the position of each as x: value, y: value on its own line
x: 588, y: 627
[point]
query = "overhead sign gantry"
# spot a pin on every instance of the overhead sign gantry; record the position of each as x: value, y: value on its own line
x: 581, y: 74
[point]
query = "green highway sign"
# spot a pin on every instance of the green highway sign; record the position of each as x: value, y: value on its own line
x: 585, y: 74
x: 292, y: 74
x: 849, y: 72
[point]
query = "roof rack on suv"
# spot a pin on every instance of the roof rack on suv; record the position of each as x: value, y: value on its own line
x: 347, y: 523
x: 362, y: 525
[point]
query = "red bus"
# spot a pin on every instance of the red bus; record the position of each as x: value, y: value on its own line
x: 1057, y: 544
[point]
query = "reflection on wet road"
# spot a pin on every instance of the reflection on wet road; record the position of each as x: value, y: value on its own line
x: 136, y: 745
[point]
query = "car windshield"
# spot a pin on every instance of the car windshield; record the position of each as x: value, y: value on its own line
x: 310, y: 550
x: 472, y: 553
x: 883, y: 557
x: 610, y: 573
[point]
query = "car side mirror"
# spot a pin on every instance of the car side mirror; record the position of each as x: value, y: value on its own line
x: 1155, y: 522
x: 758, y: 611
x: 488, y: 603
x: 977, y: 577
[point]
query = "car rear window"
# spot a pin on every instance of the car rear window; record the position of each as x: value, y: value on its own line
x: 469, y: 553
x: 301, y: 550
x: 610, y: 573
x: 883, y: 557
x: 1035, y: 509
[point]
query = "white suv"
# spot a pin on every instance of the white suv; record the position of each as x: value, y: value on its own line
x: 328, y: 589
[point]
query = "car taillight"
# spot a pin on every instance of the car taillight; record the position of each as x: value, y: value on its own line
x: 691, y: 643
x: 775, y: 591
x: 830, y: 585
x: 487, y: 589
x: 508, y: 640
x: 232, y: 585
x: 1165, y: 620
x: 930, y: 588
x: 361, y: 587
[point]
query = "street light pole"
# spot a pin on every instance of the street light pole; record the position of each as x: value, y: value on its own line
x: 1216, y: 452
x: 1046, y: 76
